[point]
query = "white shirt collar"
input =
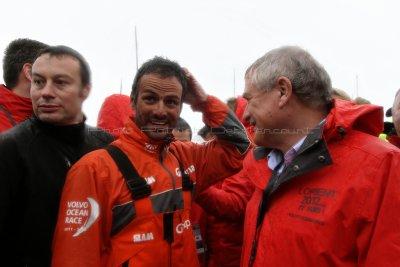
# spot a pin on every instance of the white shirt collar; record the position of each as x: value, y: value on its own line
x: 275, y: 157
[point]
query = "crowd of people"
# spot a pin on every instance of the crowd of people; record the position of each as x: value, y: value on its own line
x: 291, y: 173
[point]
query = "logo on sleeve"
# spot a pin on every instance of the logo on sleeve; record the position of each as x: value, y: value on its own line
x: 81, y: 215
x: 188, y: 171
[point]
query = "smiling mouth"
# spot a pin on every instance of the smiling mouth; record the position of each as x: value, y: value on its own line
x: 158, y: 123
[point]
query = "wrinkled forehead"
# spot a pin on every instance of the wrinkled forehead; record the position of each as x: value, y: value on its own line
x: 157, y: 83
x: 56, y: 63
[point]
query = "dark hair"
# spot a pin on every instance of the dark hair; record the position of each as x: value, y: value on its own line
x: 182, y: 125
x: 61, y: 50
x: 18, y: 53
x: 163, y: 67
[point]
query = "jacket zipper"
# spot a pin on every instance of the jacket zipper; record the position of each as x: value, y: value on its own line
x: 267, y: 194
x: 173, y: 209
x: 168, y: 171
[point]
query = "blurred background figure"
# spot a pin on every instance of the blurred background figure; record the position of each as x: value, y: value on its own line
x: 114, y: 112
x: 361, y: 101
x: 182, y: 131
x: 340, y: 94
x: 219, y: 211
x: 392, y: 129
x: 15, y: 102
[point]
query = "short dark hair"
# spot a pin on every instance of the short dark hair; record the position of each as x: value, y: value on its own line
x: 163, y: 67
x: 62, y: 50
x: 183, y: 125
x: 18, y: 53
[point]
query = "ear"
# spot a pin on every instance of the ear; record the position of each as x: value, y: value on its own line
x: 27, y: 71
x: 285, y: 88
x: 85, y: 91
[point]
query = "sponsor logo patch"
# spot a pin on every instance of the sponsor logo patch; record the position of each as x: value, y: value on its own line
x: 190, y: 169
x: 80, y: 215
x: 313, y: 204
x: 150, y: 147
x: 143, y: 237
x: 150, y: 180
x: 183, y: 226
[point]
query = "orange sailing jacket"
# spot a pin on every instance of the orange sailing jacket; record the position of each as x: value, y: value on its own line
x: 100, y: 225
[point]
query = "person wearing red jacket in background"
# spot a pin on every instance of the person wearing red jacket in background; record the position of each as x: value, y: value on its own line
x: 15, y: 102
x: 222, y: 207
x: 394, y: 112
x: 114, y: 112
x: 331, y: 192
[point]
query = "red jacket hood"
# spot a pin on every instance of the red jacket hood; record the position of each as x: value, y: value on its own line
x: 350, y: 116
x: 114, y: 112
x: 241, y: 104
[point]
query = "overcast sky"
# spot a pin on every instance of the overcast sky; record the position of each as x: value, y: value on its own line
x: 216, y: 39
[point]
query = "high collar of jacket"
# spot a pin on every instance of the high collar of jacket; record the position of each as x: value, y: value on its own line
x: 6, y: 93
x: 133, y: 135
x: 72, y: 134
x: 345, y: 116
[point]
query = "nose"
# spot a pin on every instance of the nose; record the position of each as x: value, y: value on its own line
x: 48, y: 91
x: 160, y: 111
x: 246, y: 114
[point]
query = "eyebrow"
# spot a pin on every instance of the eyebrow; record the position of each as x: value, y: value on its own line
x: 151, y: 91
x: 57, y: 76
x: 37, y: 74
x: 63, y: 76
x: 245, y: 95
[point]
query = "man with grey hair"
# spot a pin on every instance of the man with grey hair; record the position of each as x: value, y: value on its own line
x: 328, y: 192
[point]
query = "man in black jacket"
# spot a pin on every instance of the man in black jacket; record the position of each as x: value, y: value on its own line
x: 36, y: 155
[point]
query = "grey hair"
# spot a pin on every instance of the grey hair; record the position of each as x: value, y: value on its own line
x: 310, y: 81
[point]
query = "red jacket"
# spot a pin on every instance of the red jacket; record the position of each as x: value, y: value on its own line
x: 336, y: 204
x: 98, y: 223
x: 114, y: 112
x: 223, y: 206
x: 13, y: 108
x: 394, y: 140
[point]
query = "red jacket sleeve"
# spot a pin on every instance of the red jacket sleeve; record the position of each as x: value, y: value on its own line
x: 229, y: 201
x: 383, y: 246
x: 83, y: 220
x: 221, y: 157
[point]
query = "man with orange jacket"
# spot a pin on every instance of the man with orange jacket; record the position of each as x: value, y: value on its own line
x: 129, y: 204
x: 330, y: 192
